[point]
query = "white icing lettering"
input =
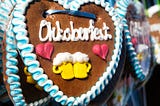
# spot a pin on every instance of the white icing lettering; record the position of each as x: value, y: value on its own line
x: 73, y: 34
x: 48, y: 25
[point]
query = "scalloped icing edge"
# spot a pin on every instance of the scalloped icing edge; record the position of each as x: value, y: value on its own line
x: 12, y: 71
x: 4, y: 8
x: 43, y: 80
x: 130, y: 49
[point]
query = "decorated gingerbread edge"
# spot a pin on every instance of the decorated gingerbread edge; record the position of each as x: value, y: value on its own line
x: 151, y: 11
x: 33, y: 65
x: 13, y: 79
x: 4, y: 10
x: 12, y: 72
x: 122, y: 10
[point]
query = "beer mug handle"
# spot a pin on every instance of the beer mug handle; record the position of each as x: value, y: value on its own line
x: 88, y: 66
x: 56, y: 70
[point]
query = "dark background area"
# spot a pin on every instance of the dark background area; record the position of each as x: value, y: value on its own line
x: 153, y: 88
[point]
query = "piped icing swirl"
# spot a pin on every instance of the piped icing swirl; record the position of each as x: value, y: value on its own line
x: 12, y: 70
x: 13, y: 79
x: 5, y: 9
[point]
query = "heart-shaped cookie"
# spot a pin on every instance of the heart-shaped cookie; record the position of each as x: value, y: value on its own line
x: 70, y: 30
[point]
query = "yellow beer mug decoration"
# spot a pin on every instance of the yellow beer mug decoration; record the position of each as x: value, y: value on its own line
x: 71, y: 65
x: 30, y: 80
x: 65, y: 69
x: 81, y: 69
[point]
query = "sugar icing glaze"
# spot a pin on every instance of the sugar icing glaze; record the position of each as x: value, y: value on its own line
x: 19, y: 29
x: 122, y: 9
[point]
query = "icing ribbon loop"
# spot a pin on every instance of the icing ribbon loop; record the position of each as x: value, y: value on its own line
x: 70, y: 12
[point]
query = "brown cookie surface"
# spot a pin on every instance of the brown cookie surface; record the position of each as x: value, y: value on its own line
x: 74, y: 87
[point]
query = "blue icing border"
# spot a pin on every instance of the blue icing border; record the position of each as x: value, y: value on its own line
x: 122, y: 9
x: 11, y: 49
x: 12, y: 69
x: 37, y: 72
x: 4, y: 10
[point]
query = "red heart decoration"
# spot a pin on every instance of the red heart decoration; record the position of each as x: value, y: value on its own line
x: 45, y: 50
x: 100, y: 50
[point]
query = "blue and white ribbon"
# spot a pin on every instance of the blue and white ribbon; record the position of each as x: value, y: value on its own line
x: 70, y: 12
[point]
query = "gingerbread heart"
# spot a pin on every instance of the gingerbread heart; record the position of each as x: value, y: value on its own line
x: 45, y: 50
x: 77, y: 32
x: 100, y: 50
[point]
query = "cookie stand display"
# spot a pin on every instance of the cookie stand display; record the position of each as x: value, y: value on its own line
x: 29, y: 74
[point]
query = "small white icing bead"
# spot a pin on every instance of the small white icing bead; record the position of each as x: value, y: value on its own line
x: 107, y: 8
x: 93, y: 90
x: 86, y: 1
x: 66, y: 4
x: 103, y: 3
x: 61, y: 2
x: 98, y: 2
x: 36, y: 103
x: 92, y: 0
x: 40, y: 102
x: 75, y: 5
